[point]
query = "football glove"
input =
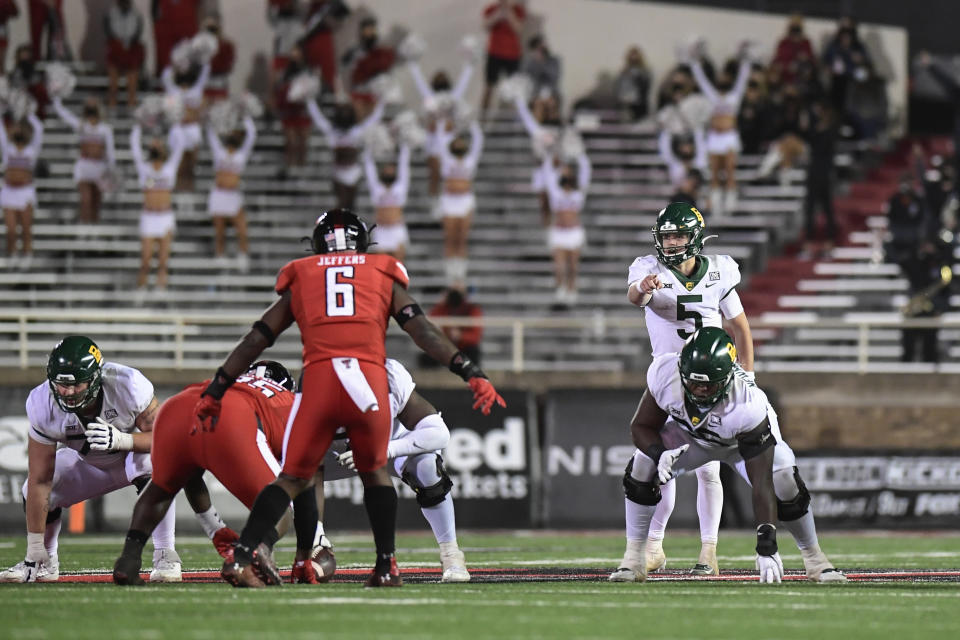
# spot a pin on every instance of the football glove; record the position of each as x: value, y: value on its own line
x: 771, y: 568
x: 484, y: 395
x: 207, y: 412
x: 103, y: 436
x: 345, y: 460
x: 665, y: 465
x: 36, y: 557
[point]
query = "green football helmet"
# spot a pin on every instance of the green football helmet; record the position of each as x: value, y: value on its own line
x: 74, y: 361
x: 706, y: 362
x: 679, y: 217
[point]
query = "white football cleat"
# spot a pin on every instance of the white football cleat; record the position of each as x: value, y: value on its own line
x: 454, y: 566
x: 626, y: 574
x: 166, y: 566
x: 48, y: 572
x: 819, y: 568
x: 707, y: 562
x: 656, y: 558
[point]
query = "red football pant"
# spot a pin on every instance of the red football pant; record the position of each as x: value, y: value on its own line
x: 232, y: 451
x: 323, y: 406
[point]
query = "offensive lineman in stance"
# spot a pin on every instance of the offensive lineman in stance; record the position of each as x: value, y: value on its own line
x: 342, y: 300
x: 698, y: 408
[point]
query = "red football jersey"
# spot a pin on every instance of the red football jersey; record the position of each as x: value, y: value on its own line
x: 341, y: 302
x: 269, y: 401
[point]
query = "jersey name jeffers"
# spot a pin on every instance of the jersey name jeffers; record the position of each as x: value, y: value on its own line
x: 326, y: 261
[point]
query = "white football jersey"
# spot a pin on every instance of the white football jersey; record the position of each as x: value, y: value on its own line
x: 685, y: 304
x: 741, y: 410
x: 401, y: 388
x: 126, y: 394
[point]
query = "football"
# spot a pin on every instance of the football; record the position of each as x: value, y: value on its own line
x: 324, y: 563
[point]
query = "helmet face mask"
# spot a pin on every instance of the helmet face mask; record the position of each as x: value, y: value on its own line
x: 74, y: 373
x: 678, y: 218
x: 340, y: 230
x: 706, y: 366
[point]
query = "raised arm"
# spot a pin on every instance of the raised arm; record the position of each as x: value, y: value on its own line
x: 108, y: 143
x: 529, y: 122
x: 743, y: 75
x: 370, y: 171
x: 699, y: 149
x: 665, y: 147
x: 463, y: 81
x: 167, y: 79
x: 175, y: 140
x: 319, y: 120
x: 370, y: 120
x: 422, y: 87
x: 403, y: 167
x: 65, y: 114
x: 37, y: 140
x: 135, y: 149
x: 202, y: 78
x: 550, y: 179
x: 476, y: 143
x: 250, y: 128
x: 584, y: 172
x: 216, y: 146
x: 703, y: 81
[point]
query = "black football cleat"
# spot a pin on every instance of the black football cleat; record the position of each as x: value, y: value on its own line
x: 385, y: 575
x: 264, y: 566
x: 242, y: 576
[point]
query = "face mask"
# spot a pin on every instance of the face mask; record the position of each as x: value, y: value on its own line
x: 20, y: 138
x: 454, y: 299
x: 568, y: 183
x: 388, y: 178
x: 441, y: 83
x: 551, y: 121
x: 235, y: 140
x: 459, y: 150
x: 214, y: 30
x: 796, y: 31
x: 91, y: 112
x: 155, y: 154
x: 344, y: 118
x: 724, y: 85
x: 369, y: 42
x: 26, y: 67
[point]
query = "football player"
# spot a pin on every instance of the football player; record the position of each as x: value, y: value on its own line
x: 341, y: 299
x: 102, y: 413
x: 419, y: 433
x: 680, y: 291
x: 699, y: 408
x: 241, y: 451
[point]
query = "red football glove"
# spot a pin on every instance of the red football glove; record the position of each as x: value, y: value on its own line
x: 484, y: 395
x: 207, y: 413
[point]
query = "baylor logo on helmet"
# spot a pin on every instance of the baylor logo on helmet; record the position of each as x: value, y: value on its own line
x: 95, y: 353
x: 732, y: 352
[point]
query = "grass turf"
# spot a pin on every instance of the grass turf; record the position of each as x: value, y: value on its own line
x: 501, y: 610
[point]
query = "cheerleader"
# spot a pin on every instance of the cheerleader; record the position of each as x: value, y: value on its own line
x: 438, y: 87
x: 96, y: 155
x: 458, y: 166
x: 345, y: 137
x: 565, y: 237
x: 388, y: 194
x: 157, y: 177
x: 188, y: 86
x: 723, y: 139
x: 226, y: 199
x: 18, y: 195
x: 544, y: 137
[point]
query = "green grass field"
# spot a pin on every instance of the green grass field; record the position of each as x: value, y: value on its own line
x: 559, y: 609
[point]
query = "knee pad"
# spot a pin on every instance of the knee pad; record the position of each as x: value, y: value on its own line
x: 797, y: 507
x: 434, y: 494
x: 141, y: 483
x: 54, y: 514
x: 645, y: 493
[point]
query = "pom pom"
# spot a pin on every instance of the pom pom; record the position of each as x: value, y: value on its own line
x: 172, y: 108
x: 546, y: 142
x: 462, y: 115
x: 60, y: 80
x: 250, y: 105
x: 20, y: 104
x: 224, y: 116
x: 386, y: 88
x: 203, y: 46
x: 4, y: 89
x: 150, y: 111
x: 305, y: 86
x: 516, y: 87
x: 571, y: 144
x: 472, y: 49
x: 407, y: 129
x: 378, y: 141
x: 181, y: 57
x: 696, y: 110
x: 412, y: 48
x: 111, y: 182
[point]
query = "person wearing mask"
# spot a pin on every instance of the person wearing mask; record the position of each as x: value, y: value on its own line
x: 543, y: 69
x: 503, y: 20
x: 188, y: 84
x: 173, y: 21
x: 633, y: 84
x: 928, y: 268
x: 388, y: 187
x: 565, y: 235
x: 123, y: 26
x: 368, y: 59
x: 96, y: 155
x: 819, y: 130
x: 18, y: 196
x: 230, y: 156
x: 221, y: 65
x: 458, y: 167
x: 28, y: 77
x: 293, y: 116
x: 792, y: 50
x: 8, y: 11
x: 455, y: 304
x: 545, y: 133
x: 323, y: 18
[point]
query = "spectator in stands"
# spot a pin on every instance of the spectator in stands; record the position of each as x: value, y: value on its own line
x: 26, y: 76
x: 367, y: 60
x: 929, y: 270
x: 682, y: 153
x: 8, y: 11
x: 287, y: 24
x: 458, y: 166
x: 565, y: 236
x: 323, y: 17
x: 436, y: 96
x: 388, y: 187
x: 18, y: 196
x: 46, y: 16
x: 97, y: 155
x: 504, y: 20
x: 939, y: 186
x: 908, y: 221
x: 344, y: 134
x: 951, y: 86
x: 678, y: 84
x: 793, y: 51
x: 633, y: 84
x: 755, y: 116
x: 467, y: 338
x: 225, y: 204
x: 293, y: 116
x: 787, y: 147
x: 819, y: 129
x: 689, y: 188
x: 188, y: 84
x: 723, y: 140
x: 846, y: 59
x: 173, y: 21
x: 157, y: 177
x: 221, y: 65
x: 543, y: 68
x: 545, y: 134
x: 123, y: 26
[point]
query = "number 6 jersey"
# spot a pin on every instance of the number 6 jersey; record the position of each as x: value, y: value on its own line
x: 686, y: 303
x: 341, y: 302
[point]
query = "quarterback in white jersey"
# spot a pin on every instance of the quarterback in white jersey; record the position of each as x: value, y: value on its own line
x: 697, y: 409
x: 419, y: 433
x: 100, y: 414
x: 680, y: 291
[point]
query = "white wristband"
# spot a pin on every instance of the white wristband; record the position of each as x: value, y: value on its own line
x: 124, y: 441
